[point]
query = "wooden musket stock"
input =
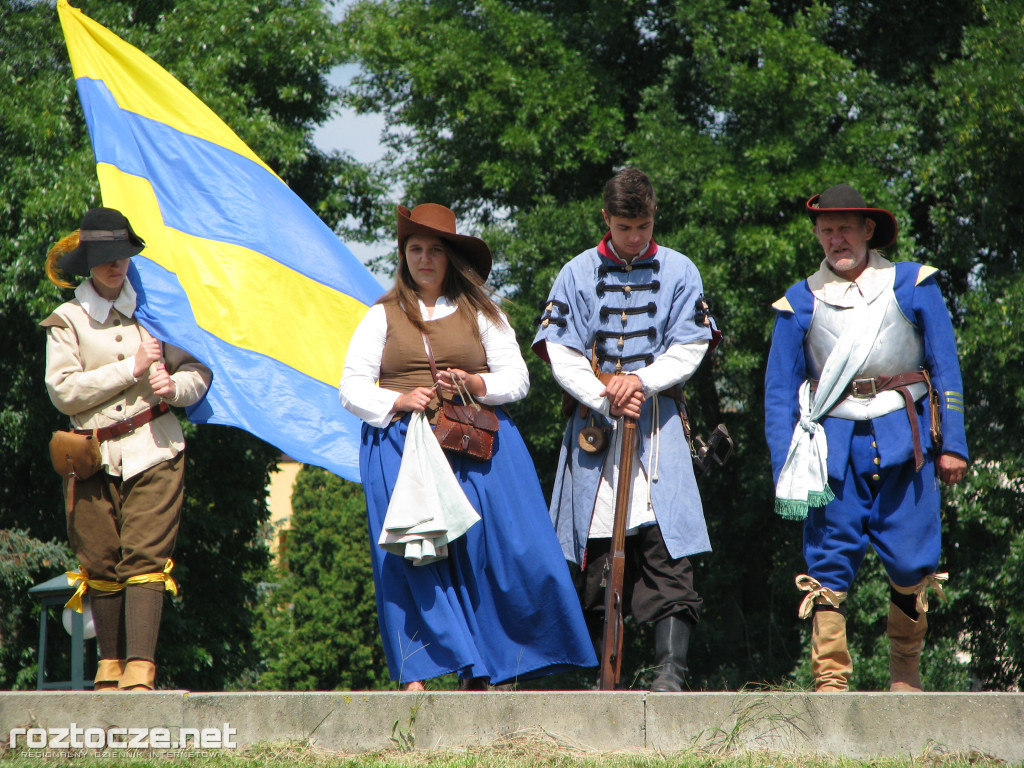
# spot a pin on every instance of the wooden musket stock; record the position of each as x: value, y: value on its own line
x: 611, y: 649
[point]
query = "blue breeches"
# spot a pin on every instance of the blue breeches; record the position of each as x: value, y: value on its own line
x: 895, y: 509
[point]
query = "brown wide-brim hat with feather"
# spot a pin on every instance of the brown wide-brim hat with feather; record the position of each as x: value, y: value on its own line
x: 436, y: 220
x: 842, y: 198
x: 104, y: 236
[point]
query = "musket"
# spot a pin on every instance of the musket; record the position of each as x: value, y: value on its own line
x: 717, y: 450
x: 615, y: 568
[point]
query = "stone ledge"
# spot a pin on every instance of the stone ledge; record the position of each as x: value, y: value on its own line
x: 855, y: 725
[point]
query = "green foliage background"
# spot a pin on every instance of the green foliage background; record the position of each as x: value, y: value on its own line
x: 515, y: 112
x: 319, y: 623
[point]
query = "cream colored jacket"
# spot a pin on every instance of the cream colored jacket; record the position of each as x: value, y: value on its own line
x: 90, y: 357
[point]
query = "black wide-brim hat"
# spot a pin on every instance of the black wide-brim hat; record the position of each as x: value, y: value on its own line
x: 104, y: 236
x: 434, y: 219
x: 842, y: 198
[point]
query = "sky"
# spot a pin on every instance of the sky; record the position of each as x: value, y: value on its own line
x: 355, y: 135
x: 358, y: 136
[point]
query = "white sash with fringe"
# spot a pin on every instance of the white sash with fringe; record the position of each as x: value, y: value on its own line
x: 803, y: 482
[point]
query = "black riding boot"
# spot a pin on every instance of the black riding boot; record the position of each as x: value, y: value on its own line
x: 671, y: 642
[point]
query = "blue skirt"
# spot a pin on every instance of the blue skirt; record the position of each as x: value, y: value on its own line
x: 502, y: 605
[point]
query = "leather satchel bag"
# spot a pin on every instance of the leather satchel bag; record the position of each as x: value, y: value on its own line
x: 465, y: 428
x: 74, y: 455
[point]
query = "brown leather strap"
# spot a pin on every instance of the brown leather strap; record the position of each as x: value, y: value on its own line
x: 908, y: 400
x: 871, y: 387
x: 433, y: 369
x: 127, y: 426
x: 430, y: 354
x: 69, y: 495
x: 901, y: 380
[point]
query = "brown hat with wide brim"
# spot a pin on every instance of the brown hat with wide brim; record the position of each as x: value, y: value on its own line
x: 104, y: 236
x: 842, y: 198
x: 434, y: 219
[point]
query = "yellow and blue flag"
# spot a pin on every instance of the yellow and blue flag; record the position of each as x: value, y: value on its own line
x: 237, y: 271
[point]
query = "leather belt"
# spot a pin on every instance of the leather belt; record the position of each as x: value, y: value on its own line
x: 900, y: 382
x: 127, y: 426
x: 871, y: 387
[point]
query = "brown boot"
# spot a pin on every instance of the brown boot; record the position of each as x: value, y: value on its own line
x: 906, y: 640
x: 108, y: 674
x: 139, y: 675
x: 830, y: 658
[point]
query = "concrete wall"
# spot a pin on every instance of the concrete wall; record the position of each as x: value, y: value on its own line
x: 856, y: 725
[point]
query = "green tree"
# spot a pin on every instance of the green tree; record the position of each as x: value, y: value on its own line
x: 975, y: 219
x: 261, y: 66
x: 520, y: 100
x: 740, y: 112
x: 319, y: 624
x: 24, y: 562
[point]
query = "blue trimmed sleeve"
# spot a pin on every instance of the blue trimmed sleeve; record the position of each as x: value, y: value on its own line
x: 928, y: 312
x: 565, y: 315
x: 785, y: 372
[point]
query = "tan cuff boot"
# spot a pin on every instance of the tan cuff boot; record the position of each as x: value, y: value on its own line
x: 139, y: 675
x: 108, y: 674
x: 830, y: 657
x: 906, y: 640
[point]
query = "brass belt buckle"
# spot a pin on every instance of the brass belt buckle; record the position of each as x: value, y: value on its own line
x: 855, y: 386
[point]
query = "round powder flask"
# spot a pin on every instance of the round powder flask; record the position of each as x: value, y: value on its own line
x: 592, y: 439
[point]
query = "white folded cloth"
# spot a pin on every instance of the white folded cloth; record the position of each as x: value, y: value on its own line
x: 428, y: 507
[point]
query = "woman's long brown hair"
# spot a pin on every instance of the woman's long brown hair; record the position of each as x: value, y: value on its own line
x: 462, y: 286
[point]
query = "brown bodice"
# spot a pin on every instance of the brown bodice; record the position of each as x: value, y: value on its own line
x: 404, y: 364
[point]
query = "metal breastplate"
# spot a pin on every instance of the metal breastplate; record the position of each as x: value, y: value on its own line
x: 898, y: 348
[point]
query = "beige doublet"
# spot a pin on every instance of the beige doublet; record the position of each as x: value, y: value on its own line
x: 89, y: 378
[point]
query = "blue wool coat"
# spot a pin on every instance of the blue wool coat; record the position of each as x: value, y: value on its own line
x: 920, y: 300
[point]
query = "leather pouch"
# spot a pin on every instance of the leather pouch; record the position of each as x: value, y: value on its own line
x: 466, y: 429
x: 75, y: 455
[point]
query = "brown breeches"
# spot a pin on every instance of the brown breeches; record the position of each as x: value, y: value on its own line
x: 119, y: 529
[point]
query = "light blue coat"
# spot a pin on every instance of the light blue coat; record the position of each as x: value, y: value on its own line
x: 586, y: 305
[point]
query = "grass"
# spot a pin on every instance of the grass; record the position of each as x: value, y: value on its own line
x: 527, y: 749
